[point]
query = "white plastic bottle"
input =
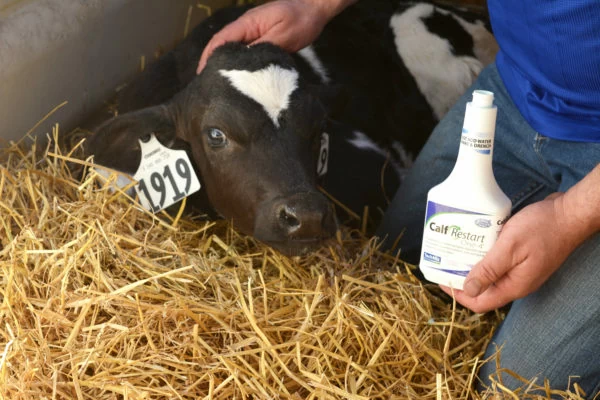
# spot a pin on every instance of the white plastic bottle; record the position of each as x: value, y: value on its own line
x: 466, y: 212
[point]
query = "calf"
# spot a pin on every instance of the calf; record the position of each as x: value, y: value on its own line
x: 254, y: 119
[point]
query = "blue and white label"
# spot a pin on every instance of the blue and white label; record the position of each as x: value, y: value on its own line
x: 483, y: 222
x: 432, y: 257
x: 481, y: 145
x: 455, y: 239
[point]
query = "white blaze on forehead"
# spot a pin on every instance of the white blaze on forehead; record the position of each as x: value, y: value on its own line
x: 271, y: 87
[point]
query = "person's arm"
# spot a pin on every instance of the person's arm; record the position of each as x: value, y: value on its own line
x: 290, y: 24
x: 532, y: 246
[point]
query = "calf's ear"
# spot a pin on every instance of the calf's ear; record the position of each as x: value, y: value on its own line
x: 115, y: 143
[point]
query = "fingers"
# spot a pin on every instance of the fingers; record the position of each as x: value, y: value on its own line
x: 494, y: 297
x: 290, y: 25
x: 276, y: 34
x: 497, y: 262
x: 208, y: 50
x: 488, y: 286
x: 237, y: 31
x: 554, y: 195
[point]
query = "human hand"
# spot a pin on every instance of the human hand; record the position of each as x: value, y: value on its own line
x: 290, y: 24
x: 531, y: 247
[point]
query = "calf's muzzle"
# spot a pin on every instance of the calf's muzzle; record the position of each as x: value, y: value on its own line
x: 297, y: 223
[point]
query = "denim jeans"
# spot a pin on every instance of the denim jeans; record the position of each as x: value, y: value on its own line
x: 553, y: 333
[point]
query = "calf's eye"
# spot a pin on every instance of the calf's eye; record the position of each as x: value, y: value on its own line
x: 216, y: 138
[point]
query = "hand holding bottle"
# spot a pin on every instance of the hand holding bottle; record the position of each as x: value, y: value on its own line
x: 532, y: 246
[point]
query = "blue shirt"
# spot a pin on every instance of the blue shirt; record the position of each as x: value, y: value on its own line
x: 549, y: 61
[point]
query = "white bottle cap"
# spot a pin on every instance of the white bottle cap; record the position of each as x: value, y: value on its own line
x: 483, y: 98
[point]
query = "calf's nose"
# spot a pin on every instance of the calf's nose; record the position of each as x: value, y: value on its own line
x: 288, y: 218
x: 306, y: 216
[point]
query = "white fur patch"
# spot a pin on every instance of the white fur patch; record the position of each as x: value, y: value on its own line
x: 363, y: 142
x: 271, y: 87
x: 485, y: 46
x: 309, y: 55
x: 441, y: 76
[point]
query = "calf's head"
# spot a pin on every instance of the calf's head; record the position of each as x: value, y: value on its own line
x: 252, y: 126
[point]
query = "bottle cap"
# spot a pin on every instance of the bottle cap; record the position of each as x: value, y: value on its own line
x: 483, y: 98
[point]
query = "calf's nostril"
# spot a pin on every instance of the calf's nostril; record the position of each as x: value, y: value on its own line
x: 288, y: 218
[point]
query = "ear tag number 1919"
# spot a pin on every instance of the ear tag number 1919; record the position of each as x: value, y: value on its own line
x: 165, y: 176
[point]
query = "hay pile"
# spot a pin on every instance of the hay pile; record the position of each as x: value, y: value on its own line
x: 101, y: 300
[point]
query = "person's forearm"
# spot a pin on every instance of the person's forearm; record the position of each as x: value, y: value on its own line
x: 331, y: 8
x: 582, y: 205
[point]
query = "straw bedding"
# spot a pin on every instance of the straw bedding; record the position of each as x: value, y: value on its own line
x: 102, y: 300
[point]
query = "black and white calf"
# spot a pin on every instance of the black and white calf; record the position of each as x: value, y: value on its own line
x: 253, y: 122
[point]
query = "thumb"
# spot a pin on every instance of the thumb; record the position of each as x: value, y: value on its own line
x: 208, y: 50
x: 488, y: 271
x: 554, y: 195
x: 239, y: 30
